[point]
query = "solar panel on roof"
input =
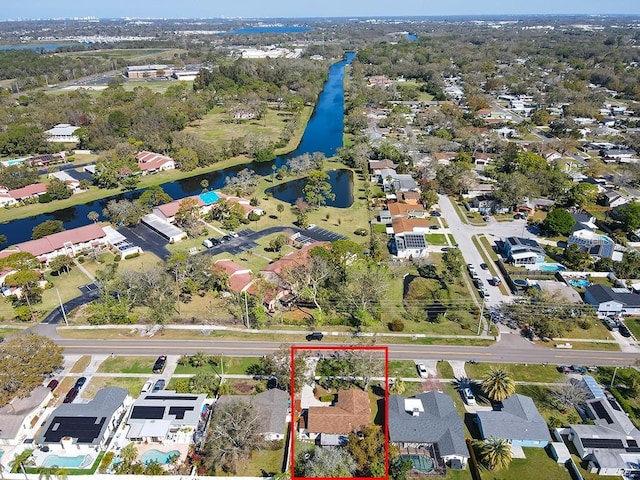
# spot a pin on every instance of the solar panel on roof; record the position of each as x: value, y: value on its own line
x: 601, y: 412
x: 172, y: 397
x: 179, y: 411
x: 615, y: 405
x: 632, y: 450
x: 632, y: 443
x: 147, y: 413
x: 612, y: 443
x: 84, y: 429
x: 413, y: 240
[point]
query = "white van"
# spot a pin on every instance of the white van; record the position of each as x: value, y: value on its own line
x: 469, y: 399
x: 208, y: 243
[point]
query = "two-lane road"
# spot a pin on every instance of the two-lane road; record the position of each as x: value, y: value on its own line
x: 509, y: 350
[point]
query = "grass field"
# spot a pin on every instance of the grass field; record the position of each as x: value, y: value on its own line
x: 519, y: 372
x: 126, y: 53
x: 531, y: 468
x: 230, y: 365
x: 132, y: 384
x: 120, y: 364
x: 445, y: 370
x: 633, y: 324
x: 262, y: 463
x: 436, y: 238
x: 81, y: 365
x: 402, y: 368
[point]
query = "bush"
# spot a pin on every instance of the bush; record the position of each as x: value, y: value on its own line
x: 116, y: 258
x: 106, y: 461
x: 44, y: 198
x: 132, y: 255
x: 361, y: 231
x: 253, y: 217
x: 80, y: 258
x: 396, y: 325
x: 327, y: 398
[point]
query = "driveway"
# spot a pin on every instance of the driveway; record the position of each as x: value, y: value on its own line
x: 147, y: 239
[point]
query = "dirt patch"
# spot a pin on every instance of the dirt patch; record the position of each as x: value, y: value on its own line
x: 244, y: 387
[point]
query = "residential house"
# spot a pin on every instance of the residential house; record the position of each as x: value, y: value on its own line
x: 426, y: 423
x: 18, y: 417
x: 444, y: 158
x: 351, y: 412
x: 610, y: 446
x: 517, y: 420
x: 482, y: 159
x: 523, y: 251
x: 595, y: 244
x: 28, y: 192
x: 64, y: 176
x: 409, y: 239
x: 401, y: 210
x: 62, y: 133
x: 584, y: 221
x: 273, y: 272
x: 69, y: 242
x: 396, y: 182
x: 6, y: 200
x: 165, y: 416
x: 240, y: 277
x: 376, y: 165
x: 72, y: 426
x: 483, y: 204
x: 608, y: 300
x: 615, y: 199
x: 272, y: 408
x: 46, y: 159
x: 150, y: 162
x: 410, y: 197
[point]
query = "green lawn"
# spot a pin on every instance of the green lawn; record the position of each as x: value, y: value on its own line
x: 633, y: 324
x: 81, y: 364
x: 519, y: 372
x: 436, y: 238
x: 120, y: 364
x: 231, y: 365
x: 402, y: 368
x: 538, y: 464
x: 445, y: 370
x: 262, y: 463
x: 132, y: 384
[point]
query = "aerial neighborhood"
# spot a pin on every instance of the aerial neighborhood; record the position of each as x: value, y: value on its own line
x: 400, y: 248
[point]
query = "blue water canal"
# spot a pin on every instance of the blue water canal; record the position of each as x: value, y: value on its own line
x: 322, y: 134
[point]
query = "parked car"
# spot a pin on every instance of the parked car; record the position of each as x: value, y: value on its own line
x: 484, y: 266
x: 215, y: 241
x: 225, y: 238
x: 71, y: 395
x: 495, y: 281
x: 311, y: 226
x: 468, y: 396
x: 572, y: 369
x: 158, y: 367
x: 147, y: 387
x: 478, y: 283
x: 207, y: 243
x: 314, y: 336
x: 435, y: 214
x: 80, y: 382
x: 53, y: 384
x: 233, y: 234
x: 470, y: 267
x: 422, y: 370
x: 159, y: 385
x: 624, y: 331
x: 485, y: 294
x: 434, y: 227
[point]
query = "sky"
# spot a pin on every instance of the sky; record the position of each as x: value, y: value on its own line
x: 12, y: 9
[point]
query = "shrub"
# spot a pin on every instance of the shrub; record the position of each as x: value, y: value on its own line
x: 361, y: 231
x: 116, y: 258
x: 326, y: 398
x: 106, y: 461
x: 396, y: 325
x: 132, y: 255
x: 253, y: 217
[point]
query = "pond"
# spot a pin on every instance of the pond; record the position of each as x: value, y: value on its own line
x: 323, y: 133
x: 341, y: 184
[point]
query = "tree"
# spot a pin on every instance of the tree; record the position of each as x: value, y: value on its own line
x: 124, y: 212
x: 28, y: 283
x: 367, y: 451
x: 243, y: 184
x: 628, y: 215
x: 154, y: 196
x: 429, y: 197
x: 187, y: 159
x: 494, y: 452
x: 188, y: 214
x: 317, y: 189
x: 61, y: 262
x: 366, y: 283
x: 582, y: 194
x: 306, y: 279
x: 558, y: 221
x: 234, y: 433
x: 277, y: 243
x: 498, y: 385
x: 325, y: 463
x: 397, y: 387
x: 48, y: 227
x: 25, y: 361
x: 280, y: 208
x: 93, y: 216
x: 278, y: 365
x: 58, y: 190
x: 571, y: 394
x: 576, y: 259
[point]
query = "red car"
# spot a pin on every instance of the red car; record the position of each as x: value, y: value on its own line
x: 52, y: 385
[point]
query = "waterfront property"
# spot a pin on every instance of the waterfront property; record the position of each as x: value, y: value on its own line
x: 150, y: 162
x: 517, y: 420
x: 428, y: 430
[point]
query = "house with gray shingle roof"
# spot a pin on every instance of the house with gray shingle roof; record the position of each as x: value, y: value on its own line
x: 272, y: 406
x: 428, y: 421
x: 517, y: 420
x: 17, y: 415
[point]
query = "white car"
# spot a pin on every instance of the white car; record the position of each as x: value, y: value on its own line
x: 469, y: 399
x: 422, y: 370
x: 147, y: 387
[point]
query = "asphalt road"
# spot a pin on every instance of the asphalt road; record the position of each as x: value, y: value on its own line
x: 512, y: 349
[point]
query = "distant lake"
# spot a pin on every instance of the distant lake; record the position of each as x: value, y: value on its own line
x: 341, y: 185
x: 283, y: 29
x: 47, y: 47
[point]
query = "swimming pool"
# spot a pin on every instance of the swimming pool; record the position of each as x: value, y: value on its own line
x: 582, y: 283
x: 15, y: 161
x: 162, y: 458
x: 81, y: 461
x: 422, y: 463
x: 550, y: 267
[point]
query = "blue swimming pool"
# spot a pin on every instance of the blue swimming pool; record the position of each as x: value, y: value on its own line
x: 551, y: 267
x: 582, y: 283
x: 80, y: 461
x: 162, y: 458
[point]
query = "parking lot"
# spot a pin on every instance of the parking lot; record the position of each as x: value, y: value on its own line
x: 147, y: 239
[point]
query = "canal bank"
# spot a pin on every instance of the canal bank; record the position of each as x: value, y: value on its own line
x: 322, y: 134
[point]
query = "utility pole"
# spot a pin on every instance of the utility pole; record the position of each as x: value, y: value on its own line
x: 246, y: 308
x: 613, y: 379
x: 64, y: 314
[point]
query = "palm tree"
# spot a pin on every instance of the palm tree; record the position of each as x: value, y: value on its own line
x: 494, y: 452
x: 498, y: 385
x: 397, y: 387
x: 154, y: 468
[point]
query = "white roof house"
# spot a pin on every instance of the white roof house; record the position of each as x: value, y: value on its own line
x: 62, y: 133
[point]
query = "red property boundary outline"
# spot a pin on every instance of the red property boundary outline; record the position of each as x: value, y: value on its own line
x: 294, y: 415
